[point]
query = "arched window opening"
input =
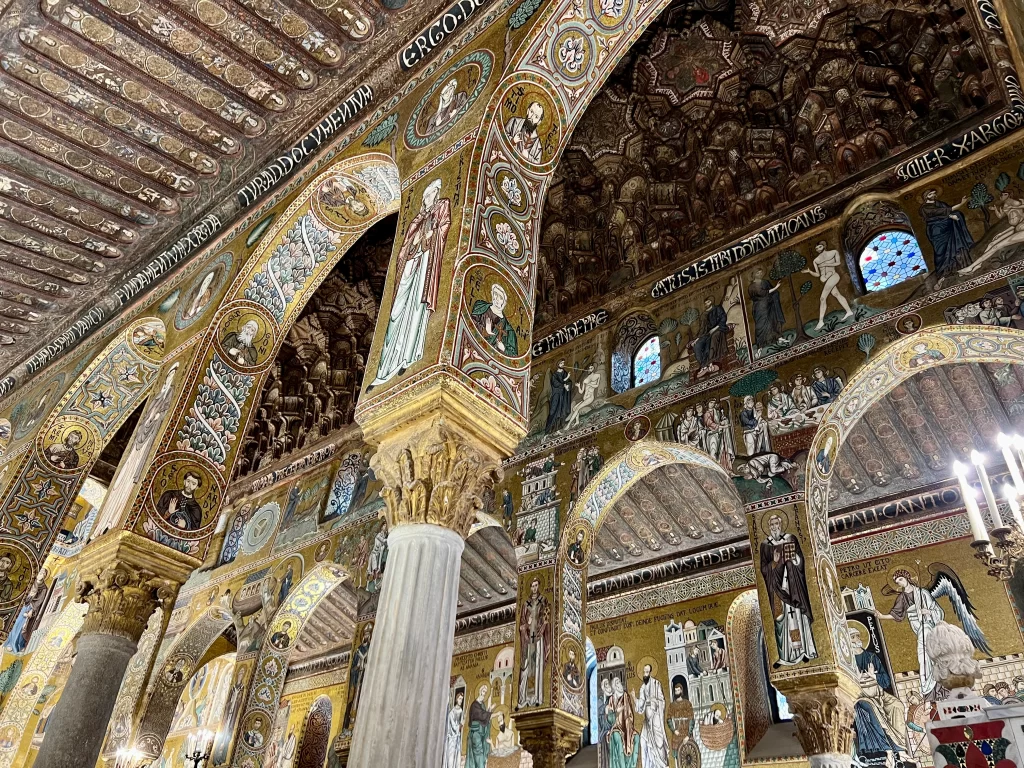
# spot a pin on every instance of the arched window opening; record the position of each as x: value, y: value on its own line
x: 890, y: 258
x: 647, y: 362
x: 881, y: 248
x: 637, y: 357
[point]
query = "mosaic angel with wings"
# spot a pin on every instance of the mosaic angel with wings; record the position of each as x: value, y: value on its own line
x: 920, y: 608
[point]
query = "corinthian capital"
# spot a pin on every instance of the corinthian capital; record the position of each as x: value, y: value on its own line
x: 121, y: 598
x: 824, y: 724
x: 434, y: 474
x: 123, y: 577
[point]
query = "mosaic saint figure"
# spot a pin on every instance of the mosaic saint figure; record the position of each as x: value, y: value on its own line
x: 534, y: 619
x: 588, y: 393
x: 490, y: 319
x: 880, y: 717
x: 179, y: 506
x: 711, y: 344
x: 826, y: 388
x: 603, y: 723
x: 29, y: 616
x: 651, y: 704
x: 356, y: 676
x: 453, y: 733
x: 768, y: 316
x: 65, y: 455
x: 561, y: 399
x: 450, y: 101
x: 202, y: 296
x: 239, y: 344
x: 623, y: 740
x: 418, y: 271
x: 918, y: 606
x: 946, y: 228
x: 825, y: 267
x: 480, y: 714
x: 718, y: 438
x: 756, y: 438
x: 523, y: 132
x: 782, y: 567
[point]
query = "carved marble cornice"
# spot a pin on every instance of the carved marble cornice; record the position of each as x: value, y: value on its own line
x: 434, y: 473
x: 123, y: 578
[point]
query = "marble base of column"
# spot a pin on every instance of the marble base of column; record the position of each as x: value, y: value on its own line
x: 85, y: 706
x: 830, y: 761
x: 401, y: 710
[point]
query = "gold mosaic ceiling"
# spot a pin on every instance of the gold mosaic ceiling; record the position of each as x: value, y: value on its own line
x: 122, y: 122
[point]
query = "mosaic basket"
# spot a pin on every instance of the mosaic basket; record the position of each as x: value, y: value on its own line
x: 716, y: 736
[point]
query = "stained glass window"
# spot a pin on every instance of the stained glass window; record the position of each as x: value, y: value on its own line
x: 647, y: 362
x: 890, y: 258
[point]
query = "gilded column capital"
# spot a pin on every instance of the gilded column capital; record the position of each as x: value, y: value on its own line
x: 824, y: 722
x: 434, y: 473
x: 551, y: 736
x: 123, y: 577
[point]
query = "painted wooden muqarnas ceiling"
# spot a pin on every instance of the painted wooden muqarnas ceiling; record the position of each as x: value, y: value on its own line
x: 123, y: 121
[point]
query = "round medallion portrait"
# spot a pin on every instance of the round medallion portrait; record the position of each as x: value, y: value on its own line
x: 186, y: 497
x: 344, y: 202
x: 530, y: 124
x: 69, y: 444
x: 496, y: 311
x: 16, y: 572
x: 148, y: 338
x: 202, y: 291
x: 449, y: 99
x: 245, y: 338
x: 638, y: 428
x: 572, y: 665
x: 933, y: 349
x: 577, y: 553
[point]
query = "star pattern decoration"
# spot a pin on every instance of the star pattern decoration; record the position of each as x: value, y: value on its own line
x: 129, y: 374
x: 101, y: 399
x: 44, y: 489
x: 25, y: 524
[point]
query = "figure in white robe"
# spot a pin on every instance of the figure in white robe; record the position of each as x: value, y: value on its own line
x: 453, y: 733
x: 418, y: 270
x: 653, y: 740
x: 588, y: 389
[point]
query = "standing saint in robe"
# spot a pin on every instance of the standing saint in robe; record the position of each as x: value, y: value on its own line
x: 418, y: 279
x: 768, y: 315
x: 711, y: 344
x: 782, y: 567
x: 129, y: 473
x: 561, y: 399
x: 651, y: 704
x: 479, y: 746
x: 453, y: 733
x: 946, y: 227
x: 623, y: 740
x: 533, y: 640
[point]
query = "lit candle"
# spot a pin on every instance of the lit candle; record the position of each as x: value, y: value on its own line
x: 978, y: 530
x: 986, y: 488
x: 1010, y: 494
x: 1011, y: 463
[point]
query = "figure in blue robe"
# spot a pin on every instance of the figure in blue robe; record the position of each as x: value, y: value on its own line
x: 826, y: 388
x: 946, y: 227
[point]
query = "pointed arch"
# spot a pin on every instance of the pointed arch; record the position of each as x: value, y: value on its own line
x: 17, y: 710
x: 899, y: 361
x: 316, y: 734
x: 180, y: 663
x: 272, y: 663
x: 568, y: 614
x: 48, y: 477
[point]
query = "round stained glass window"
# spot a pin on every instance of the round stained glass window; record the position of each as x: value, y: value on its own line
x: 890, y: 258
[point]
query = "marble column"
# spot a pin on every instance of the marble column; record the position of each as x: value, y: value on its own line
x: 123, y: 578
x: 551, y: 736
x: 433, y: 480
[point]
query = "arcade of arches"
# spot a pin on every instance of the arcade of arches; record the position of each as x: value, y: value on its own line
x: 510, y: 383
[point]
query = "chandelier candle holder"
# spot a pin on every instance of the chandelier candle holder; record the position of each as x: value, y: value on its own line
x: 197, y: 747
x: 127, y: 758
x: 1001, y: 547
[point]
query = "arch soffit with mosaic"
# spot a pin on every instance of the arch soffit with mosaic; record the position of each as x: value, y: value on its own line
x: 618, y: 475
x: 898, y: 362
x: 17, y: 710
x: 213, y: 407
x: 179, y: 665
x: 46, y: 479
x: 272, y: 661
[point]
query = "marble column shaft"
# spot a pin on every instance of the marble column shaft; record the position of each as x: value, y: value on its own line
x: 400, y: 716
